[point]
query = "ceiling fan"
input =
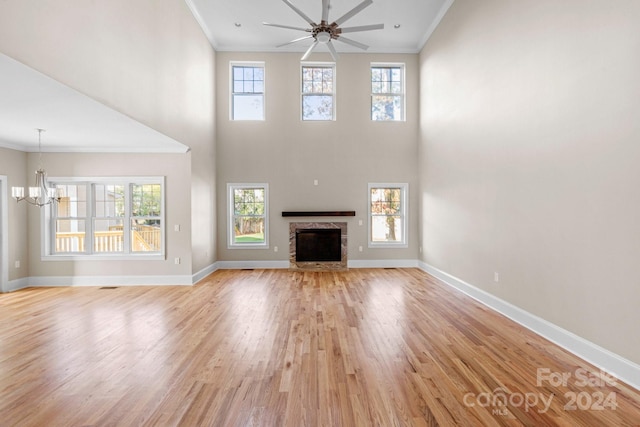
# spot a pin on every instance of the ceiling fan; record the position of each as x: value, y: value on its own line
x: 324, y: 33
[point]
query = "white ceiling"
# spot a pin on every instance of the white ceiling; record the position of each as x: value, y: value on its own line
x: 77, y: 123
x: 417, y: 20
x: 73, y: 121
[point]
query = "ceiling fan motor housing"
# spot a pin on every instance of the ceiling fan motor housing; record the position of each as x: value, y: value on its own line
x: 325, y: 32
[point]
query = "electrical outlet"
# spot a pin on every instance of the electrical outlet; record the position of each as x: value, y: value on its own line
x: 360, y: 248
x: 360, y: 222
x: 176, y: 227
x: 17, y: 264
x: 496, y: 277
x: 315, y: 182
x: 177, y: 260
x: 275, y: 249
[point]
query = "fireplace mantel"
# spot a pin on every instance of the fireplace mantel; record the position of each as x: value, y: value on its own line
x: 317, y: 213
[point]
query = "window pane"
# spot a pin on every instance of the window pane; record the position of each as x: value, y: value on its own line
x: 74, y: 202
x: 248, y: 107
x: 108, y: 235
x: 146, y: 235
x: 317, y: 107
x: 109, y: 200
x: 248, y: 79
x: 317, y: 80
x: 70, y: 235
x: 249, y: 201
x: 248, y: 230
x: 146, y: 199
x: 386, y: 107
x: 386, y: 228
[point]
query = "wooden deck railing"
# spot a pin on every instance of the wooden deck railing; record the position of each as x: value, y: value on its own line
x: 144, y: 239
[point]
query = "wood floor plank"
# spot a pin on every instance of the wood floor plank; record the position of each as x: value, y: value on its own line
x: 363, y: 347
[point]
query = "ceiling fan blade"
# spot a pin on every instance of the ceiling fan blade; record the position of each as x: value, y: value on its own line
x: 308, y: 52
x: 353, y: 11
x: 294, y: 41
x: 332, y: 51
x: 362, y: 28
x: 353, y: 43
x: 325, y: 10
x: 288, y: 27
x: 299, y: 12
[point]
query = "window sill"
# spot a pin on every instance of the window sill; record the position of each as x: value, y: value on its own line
x: 104, y: 257
x: 401, y: 245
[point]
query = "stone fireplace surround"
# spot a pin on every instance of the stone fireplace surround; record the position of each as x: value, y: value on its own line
x: 317, y: 265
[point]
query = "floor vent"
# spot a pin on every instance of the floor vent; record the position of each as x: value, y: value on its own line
x: 109, y: 287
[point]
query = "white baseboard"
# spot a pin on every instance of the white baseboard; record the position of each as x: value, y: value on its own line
x: 204, y: 273
x: 383, y: 263
x: 16, y: 285
x: 80, y: 281
x: 615, y: 365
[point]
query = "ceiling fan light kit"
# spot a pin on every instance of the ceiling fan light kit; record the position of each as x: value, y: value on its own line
x: 324, y: 33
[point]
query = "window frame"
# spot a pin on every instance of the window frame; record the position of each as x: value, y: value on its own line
x: 48, y: 217
x: 404, y: 214
x: 231, y: 187
x: 402, y: 95
x: 232, y: 93
x: 331, y: 65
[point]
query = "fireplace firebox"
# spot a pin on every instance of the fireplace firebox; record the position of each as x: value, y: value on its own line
x: 318, y: 245
x: 322, y: 244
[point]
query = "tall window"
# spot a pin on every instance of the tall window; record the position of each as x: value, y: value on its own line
x: 318, y: 91
x: 247, y: 91
x: 388, y: 215
x: 119, y: 216
x: 387, y: 92
x: 248, y: 215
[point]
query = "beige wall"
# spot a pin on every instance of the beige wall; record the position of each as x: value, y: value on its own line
x: 343, y: 155
x: 175, y: 168
x: 148, y: 59
x: 13, y: 164
x: 528, y: 159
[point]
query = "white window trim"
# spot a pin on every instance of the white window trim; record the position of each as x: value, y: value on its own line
x: 333, y: 94
x: 230, y: 215
x: 404, y: 243
x: 264, y: 89
x: 47, y: 237
x: 404, y: 88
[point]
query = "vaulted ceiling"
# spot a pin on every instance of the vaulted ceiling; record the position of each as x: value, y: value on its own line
x: 77, y: 123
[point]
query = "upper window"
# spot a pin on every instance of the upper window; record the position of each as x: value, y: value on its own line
x: 388, y: 215
x: 118, y: 216
x: 248, y: 220
x: 247, y: 91
x: 387, y: 92
x: 318, y: 91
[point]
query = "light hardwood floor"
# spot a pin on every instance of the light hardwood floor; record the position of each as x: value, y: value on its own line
x: 365, y: 347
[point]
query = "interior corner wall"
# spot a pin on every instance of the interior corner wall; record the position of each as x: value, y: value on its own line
x: 528, y: 159
x: 13, y: 164
x: 147, y: 59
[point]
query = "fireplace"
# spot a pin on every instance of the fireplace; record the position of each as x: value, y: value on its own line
x: 318, y: 245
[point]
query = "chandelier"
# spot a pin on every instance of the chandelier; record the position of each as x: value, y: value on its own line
x: 39, y: 195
